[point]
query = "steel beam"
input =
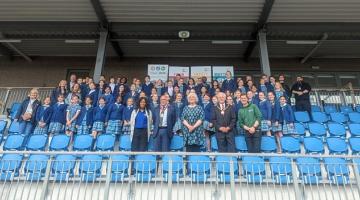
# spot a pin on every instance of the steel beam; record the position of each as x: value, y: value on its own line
x: 308, y: 55
x: 263, y: 52
x: 12, y: 48
x: 101, y: 54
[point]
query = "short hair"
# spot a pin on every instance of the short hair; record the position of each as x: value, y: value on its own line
x: 191, y: 94
x: 220, y: 93
x: 243, y: 95
x: 147, y: 76
x: 35, y: 90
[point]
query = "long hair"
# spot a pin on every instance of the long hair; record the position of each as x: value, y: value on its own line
x: 147, y: 105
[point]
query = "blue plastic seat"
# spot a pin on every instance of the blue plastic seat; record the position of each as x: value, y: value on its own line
x: 119, y: 167
x: 336, y: 130
x: 357, y: 108
x: 14, y: 109
x: 315, y: 108
x: 346, y: 109
x: 290, y: 144
x: 37, y: 142
x: 59, y: 142
x: 300, y: 129
x: 354, y: 144
x: 83, y: 142
x: 63, y: 167
x: 14, y: 127
x: 313, y: 145
x: 105, y: 142
x: 253, y: 169
x: 240, y: 144
x: 317, y: 129
x: 268, y: 144
x: 338, y: 117
x: 354, y: 117
x: 145, y: 167
x: 14, y: 142
x: 354, y: 130
x: 124, y: 143
x: 330, y: 109
x: 319, y: 117
x: 177, y: 143
x: 35, y: 167
x: 3, y: 125
x: 90, y: 167
x: 223, y: 168
x: 302, y: 116
x: 10, y: 165
x: 337, y: 145
x: 337, y: 169
x: 309, y: 170
x: 214, y: 144
x: 199, y: 168
x: 281, y: 170
x: 177, y: 165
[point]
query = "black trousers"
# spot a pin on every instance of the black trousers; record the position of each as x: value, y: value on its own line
x: 253, y: 141
x: 140, y: 140
x: 193, y: 148
x: 303, y: 106
x: 225, y: 141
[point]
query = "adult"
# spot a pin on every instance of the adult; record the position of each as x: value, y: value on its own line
x: 72, y: 81
x: 301, y: 91
x: 228, y: 83
x: 75, y: 90
x: 61, y: 89
x: 140, y: 125
x: 164, y: 121
x: 285, y: 86
x: 224, y: 119
x: 26, y: 114
x: 147, y: 86
x: 249, y: 117
x: 192, y: 118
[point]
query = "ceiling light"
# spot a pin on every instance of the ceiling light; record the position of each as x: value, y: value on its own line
x: 226, y: 41
x: 80, y: 41
x: 9, y: 41
x: 301, y: 42
x: 154, y: 41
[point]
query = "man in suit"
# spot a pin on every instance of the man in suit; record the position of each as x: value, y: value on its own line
x: 164, y: 121
x: 224, y: 119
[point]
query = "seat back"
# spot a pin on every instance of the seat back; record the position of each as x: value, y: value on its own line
x: 14, y: 142
x: 59, y: 142
x: 317, y: 129
x: 336, y: 129
x: 268, y: 144
x: 302, y: 116
x: 37, y: 142
x: 83, y: 142
x: 319, y: 117
x: 177, y: 143
x: 290, y: 144
x: 124, y: 143
x: 105, y: 142
x: 313, y: 145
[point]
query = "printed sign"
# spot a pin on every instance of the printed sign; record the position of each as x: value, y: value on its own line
x: 200, y: 71
x: 158, y: 71
x: 183, y: 71
x: 219, y: 72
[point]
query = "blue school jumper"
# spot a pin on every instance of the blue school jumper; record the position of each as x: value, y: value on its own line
x: 93, y: 94
x: 85, y: 120
x: 114, y: 118
x: 146, y: 88
x: 287, y: 119
x: 208, y: 110
x: 43, y: 114
x: 179, y: 107
x: 126, y: 117
x: 265, y: 109
x: 99, y: 117
x: 109, y: 98
x: 134, y: 95
x: 72, y: 109
x: 58, y: 118
x: 228, y: 85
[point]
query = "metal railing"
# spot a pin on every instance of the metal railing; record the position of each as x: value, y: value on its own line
x: 177, y: 175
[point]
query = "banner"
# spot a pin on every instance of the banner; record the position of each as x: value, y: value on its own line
x: 219, y: 72
x: 200, y: 71
x: 183, y: 71
x: 158, y: 71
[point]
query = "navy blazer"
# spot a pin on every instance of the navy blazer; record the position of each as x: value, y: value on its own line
x: 171, y: 119
x: 89, y: 116
x: 265, y: 109
x: 129, y: 95
x: 286, y: 114
x: 147, y: 88
x: 228, y: 85
x: 43, y: 114
x: 94, y: 97
x: 59, y: 113
x: 55, y: 93
x: 23, y: 108
x: 208, y: 109
x: 115, y: 112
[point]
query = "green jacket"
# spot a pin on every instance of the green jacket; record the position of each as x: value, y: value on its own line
x: 249, y: 115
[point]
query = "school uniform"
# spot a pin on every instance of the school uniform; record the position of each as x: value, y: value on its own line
x: 228, y: 84
x: 237, y: 106
x: 265, y: 109
x: 113, y: 87
x: 169, y: 90
x: 182, y: 88
x: 109, y: 99
x: 212, y: 91
x: 154, y: 105
x: 58, y: 118
x: 270, y: 87
x: 280, y: 93
x: 133, y: 95
x: 264, y: 89
x: 140, y: 127
x: 208, y: 110
x: 114, y: 118
x: 254, y: 100
x: 126, y: 117
x: 43, y: 114
x: 243, y: 89
x: 72, y: 110
x: 55, y: 93
x: 286, y: 118
x: 93, y: 94
x: 85, y: 120
x: 99, y: 117
x: 146, y: 88
x: 275, y: 114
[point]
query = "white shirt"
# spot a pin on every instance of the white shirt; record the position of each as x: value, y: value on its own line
x: 170, y: 91
x: 164, y: 117
x: 29, y: 108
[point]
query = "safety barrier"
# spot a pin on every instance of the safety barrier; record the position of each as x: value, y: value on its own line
x: 177, y: 175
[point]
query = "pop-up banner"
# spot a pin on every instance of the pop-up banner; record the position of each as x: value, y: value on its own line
x: 200, y: 71
x: 218, y: 72
x: 183, y: 71
x: 158, y: 71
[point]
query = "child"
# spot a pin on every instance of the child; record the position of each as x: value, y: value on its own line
x: 114, y: 117
x: 99, y: 115
x: 279, y: 91
x: 109, y: 98
x: 93, y: 94
x: 72, y: 112
x: 85, y: 119
x: 58, y: 118
x: 127, y: 115
x: 132, y: 94
x: 179, y: 106
x: 43, y: 116
x: 208, y: 126
x: 154, y: 102
x: 286, y: 117
x: 265, y: 109
x: 275, y: 110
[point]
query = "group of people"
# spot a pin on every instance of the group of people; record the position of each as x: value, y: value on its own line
x: 156, y: 110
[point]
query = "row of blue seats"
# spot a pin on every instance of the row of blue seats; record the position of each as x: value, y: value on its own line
x: 197, y: 167
x: 331, y: 108
x: 321, y: 117
x: 321, y: 130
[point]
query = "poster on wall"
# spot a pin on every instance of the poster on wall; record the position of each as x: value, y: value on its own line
x: 158, y: 71
x: 218, y: 72
x: 183, y: 71
x: 200, y: 71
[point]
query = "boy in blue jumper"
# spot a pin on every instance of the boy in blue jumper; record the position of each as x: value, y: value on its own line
x: 85, y: 119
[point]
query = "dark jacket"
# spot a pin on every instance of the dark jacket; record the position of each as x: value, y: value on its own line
x: 44, y: 114
x: 89, y: 116
x: 226, y: 120
x: 23, y: 108
x: 171, y: 119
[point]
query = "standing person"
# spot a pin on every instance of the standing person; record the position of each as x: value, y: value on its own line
x: 58, y: 118
x: 214, y: 86
x: 284, y: 85
x: 75, y: 91
x: 182, y: 86
x: 154, y: 102
x: 27, y: 113
x: 140, y: 125
x: 208, y: 125
x: 109, y: 98
x: 85, y: 120
x: 61, y: 89
x: 169, y: 89
x: 228, y: 83
x: 302, y: 90
x: 164, y: 121
x: 241, y: 87
x: 72, y: 112
x: 113, y: 85
x: 132, y: 94
x: 249, y: 117
x: 224, y: 119
x: 252, y: 98
x: 99, y: 117
x: 265, y: 109
x: 127, y: 115
x: 192, y: 118
x: 147, y: 86
x: 279, y: 91
x: 179, y: 106
x: 114, y: 117
x: 72, y: 81
x: 93, y: 93
x: 43, y: 116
